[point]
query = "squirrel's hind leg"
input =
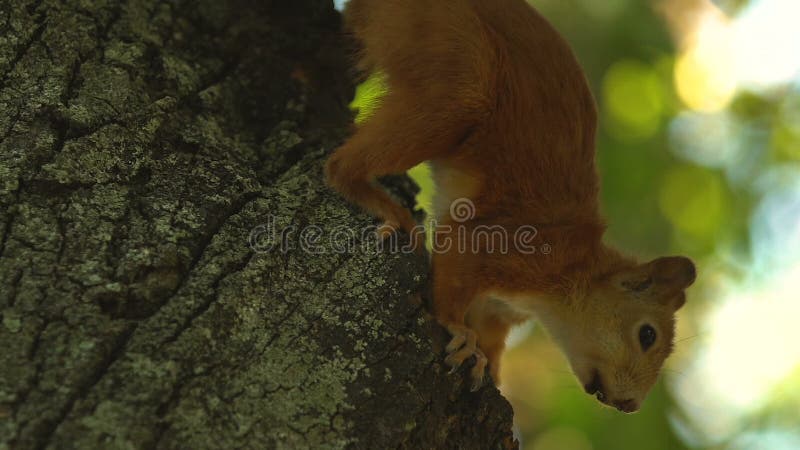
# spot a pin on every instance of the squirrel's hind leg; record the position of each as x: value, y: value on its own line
x: 453, y: 293
x: 492, y: 333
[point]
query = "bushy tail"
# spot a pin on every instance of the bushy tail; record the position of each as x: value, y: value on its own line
x: 355, y: 14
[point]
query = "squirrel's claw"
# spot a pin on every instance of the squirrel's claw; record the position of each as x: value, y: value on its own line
x: 453, y: 369
x: 477, y: 370
x: 462, y: 346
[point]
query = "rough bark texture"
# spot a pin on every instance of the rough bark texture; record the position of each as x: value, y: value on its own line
x: 141, y: 144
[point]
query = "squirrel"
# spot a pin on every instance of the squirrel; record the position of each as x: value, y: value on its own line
x: 493, y: 98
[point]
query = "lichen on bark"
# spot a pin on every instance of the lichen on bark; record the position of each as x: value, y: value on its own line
x: 142, y: 143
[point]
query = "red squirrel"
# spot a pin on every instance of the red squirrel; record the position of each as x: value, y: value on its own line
x: 491, y: 95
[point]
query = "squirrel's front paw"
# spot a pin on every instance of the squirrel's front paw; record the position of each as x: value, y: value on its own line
x: 462, y: 346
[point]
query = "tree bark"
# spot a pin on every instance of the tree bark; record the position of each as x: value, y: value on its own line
x: 144, y: 146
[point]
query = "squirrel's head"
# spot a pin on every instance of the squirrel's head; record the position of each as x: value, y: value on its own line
x: 625, y: 329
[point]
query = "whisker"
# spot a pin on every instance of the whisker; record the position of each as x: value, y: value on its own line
x: 694, y: 336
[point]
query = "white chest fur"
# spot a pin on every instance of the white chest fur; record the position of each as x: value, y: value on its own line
x: 452, y: 185
x: 516, y: 307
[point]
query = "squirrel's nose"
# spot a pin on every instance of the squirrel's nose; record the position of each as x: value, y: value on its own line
x: 626, y: 406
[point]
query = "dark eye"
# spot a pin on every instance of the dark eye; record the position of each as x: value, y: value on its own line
x: 647, y: 337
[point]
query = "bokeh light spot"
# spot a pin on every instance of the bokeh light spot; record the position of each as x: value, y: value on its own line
x: 765, y: 38
x: 768, y: 440
x: 710, y: 140
x: 704, y: 72
x: 634, y: 97
x: 693, y: 199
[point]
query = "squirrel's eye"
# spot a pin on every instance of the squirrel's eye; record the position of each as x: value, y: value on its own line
x: 647, y: 337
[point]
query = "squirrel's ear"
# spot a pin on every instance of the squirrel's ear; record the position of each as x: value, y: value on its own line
x: 662, y: 279
x: 677, y: 272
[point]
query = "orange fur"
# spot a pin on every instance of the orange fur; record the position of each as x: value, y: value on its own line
x: 494, y: 98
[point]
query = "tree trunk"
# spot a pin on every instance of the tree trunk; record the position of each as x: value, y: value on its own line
x: 159, y: 163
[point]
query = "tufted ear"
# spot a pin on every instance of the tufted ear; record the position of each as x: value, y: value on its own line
x: 662, y: 279
x: 677, y: 271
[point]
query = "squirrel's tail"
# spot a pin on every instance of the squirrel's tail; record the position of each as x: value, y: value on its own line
x: 355, y: 14
x: 356, y: 18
